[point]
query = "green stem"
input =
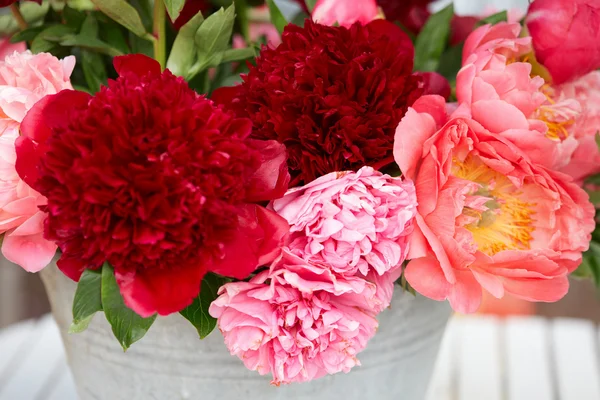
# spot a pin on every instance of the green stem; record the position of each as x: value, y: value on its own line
x: 159, y: 33
x: 16, y: 12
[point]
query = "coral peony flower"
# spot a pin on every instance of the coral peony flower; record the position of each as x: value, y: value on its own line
x: 566, y: 36
x: 154, y: 179
x: 357, y: 223
x: 7, y: 48
x: 297, y: 321
x: 487, y: 217
x: 586, y: 158
x: 502, y: 96
x: 332, y: 95
x: 24, y: 80
x: 330, y: 12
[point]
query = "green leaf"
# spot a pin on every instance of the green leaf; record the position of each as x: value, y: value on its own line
x: 598, y: 140
x: 451, y: 62
x: 89, y: 28
x: 213, y: 36
x: 174, y: 7
x: 94, y: 70
x: 184, y: 53
x: 88, y: 299
x: 127, y: 326
x: 277, y: 17
x: 73, y: 18
x: 431, y: 42
x: 27, y: 35
x: 236, y: 55
x: 310, y: 4
x: 125, y: 14
x: 90, y: 43
x: 113, y: 34
x: 241, y: 7
x: 197, y: 312
x: 590, y: 265
x: 46, y: 40
x: 493, y: 19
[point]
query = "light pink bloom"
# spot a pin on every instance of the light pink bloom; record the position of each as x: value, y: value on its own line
x: 500, y: 94
x: 488, y: 218
x: 7, y: 48
x: 586, y: 158
x: 24, y: 80
x: 354, y: 222
x: 344, y: 12
x: 298, y: 321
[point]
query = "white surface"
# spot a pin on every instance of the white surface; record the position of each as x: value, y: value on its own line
x: 536, y: 358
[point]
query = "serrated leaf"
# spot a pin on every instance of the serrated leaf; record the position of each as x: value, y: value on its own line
x: 183, y: 54
x: 493, y: 19
x: 213, y: 36
x: 88, y: 299
x: 277, y: 17
x: 125, y: 14
x: 127, y: 326
x: 174, y: 8
x: 432, y: 40
x: 197, y: 312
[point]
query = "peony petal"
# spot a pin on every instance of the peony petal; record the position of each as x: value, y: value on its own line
x: 426, y: 276
x: 271, y: 180
x: 137, y: 64
x: 32, y: 252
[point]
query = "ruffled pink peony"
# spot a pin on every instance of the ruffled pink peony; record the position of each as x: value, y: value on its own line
x: 500, y: 94
x: 357, y: 223
x: 488, y: 218
x: 24, y: 80
x: 345, y: 13
x: 297, y: 321
x: 586, y: 158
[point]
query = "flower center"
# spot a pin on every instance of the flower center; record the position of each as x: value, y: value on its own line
x: 495, y: 212
x: 558, y: 116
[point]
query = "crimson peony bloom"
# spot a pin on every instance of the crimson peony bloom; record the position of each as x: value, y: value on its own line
x: 566, y: 36
x: 412, y: 14
x: 154, y: 179
x: 6, y: 3
x: 332, y: 95
x: 190, y: 9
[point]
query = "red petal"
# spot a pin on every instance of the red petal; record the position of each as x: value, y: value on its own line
x: 396, y: 36
x: 163, y: 291
x: 138, y: 64
x: 258, y: 240
x: 225, y: 95
x: 271, y: 180
x: 435, y: 83
x: 28, y: 159
x: 71, y: 267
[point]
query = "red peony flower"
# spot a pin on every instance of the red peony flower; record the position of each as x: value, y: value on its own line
x: 190, y: 9
x: 332, y: 95
x: 154, y: 179
x: 412, y: 14
x: 6, y: 3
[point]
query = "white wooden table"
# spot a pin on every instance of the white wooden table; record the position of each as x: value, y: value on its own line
x: 482, y: 358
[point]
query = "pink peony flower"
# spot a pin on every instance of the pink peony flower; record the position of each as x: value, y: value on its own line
x: 488, y: 218
x: 7, y: 48
x: 297, y: 321
x: 501, y: 95
x: 586, y: 158
x: 357, y: 223
x: 566, y: 36
x: 24, y: 80
x: 345, y: 13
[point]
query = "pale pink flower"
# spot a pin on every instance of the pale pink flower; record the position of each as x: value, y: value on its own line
x: 24, y: 80
x: 344, y: 12
x: 586, y: 158
x: 7, y: 48
x: 354, y: 222
x: 297, y: 321
x: 488, y: 218
x: 496, y: 87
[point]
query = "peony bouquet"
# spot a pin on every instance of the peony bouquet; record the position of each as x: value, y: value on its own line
x: 277, y: 170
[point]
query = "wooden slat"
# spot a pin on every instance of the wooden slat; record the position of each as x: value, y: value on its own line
x: 32, y: 376
x: 13, y: 342
x: 443, y: 381
x: 576, y: 363
x: 64, y: 388
x: 480, y: 360
x: 528, y: 359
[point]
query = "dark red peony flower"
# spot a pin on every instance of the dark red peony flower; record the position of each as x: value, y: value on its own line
x: 156, y: 180
x: 6, y: 3
x: 334, y: 96
x: 190, y: 9
x: 410, y: 13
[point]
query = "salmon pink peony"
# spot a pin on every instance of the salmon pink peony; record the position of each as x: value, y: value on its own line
x: 344, y: 13
x: 566, y: 36
x: 154, y: 179
x: 297, y: 321
x: 500, y: 94
x: 24, y: 80
x: 487, y: 217
x: 357, y: 223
